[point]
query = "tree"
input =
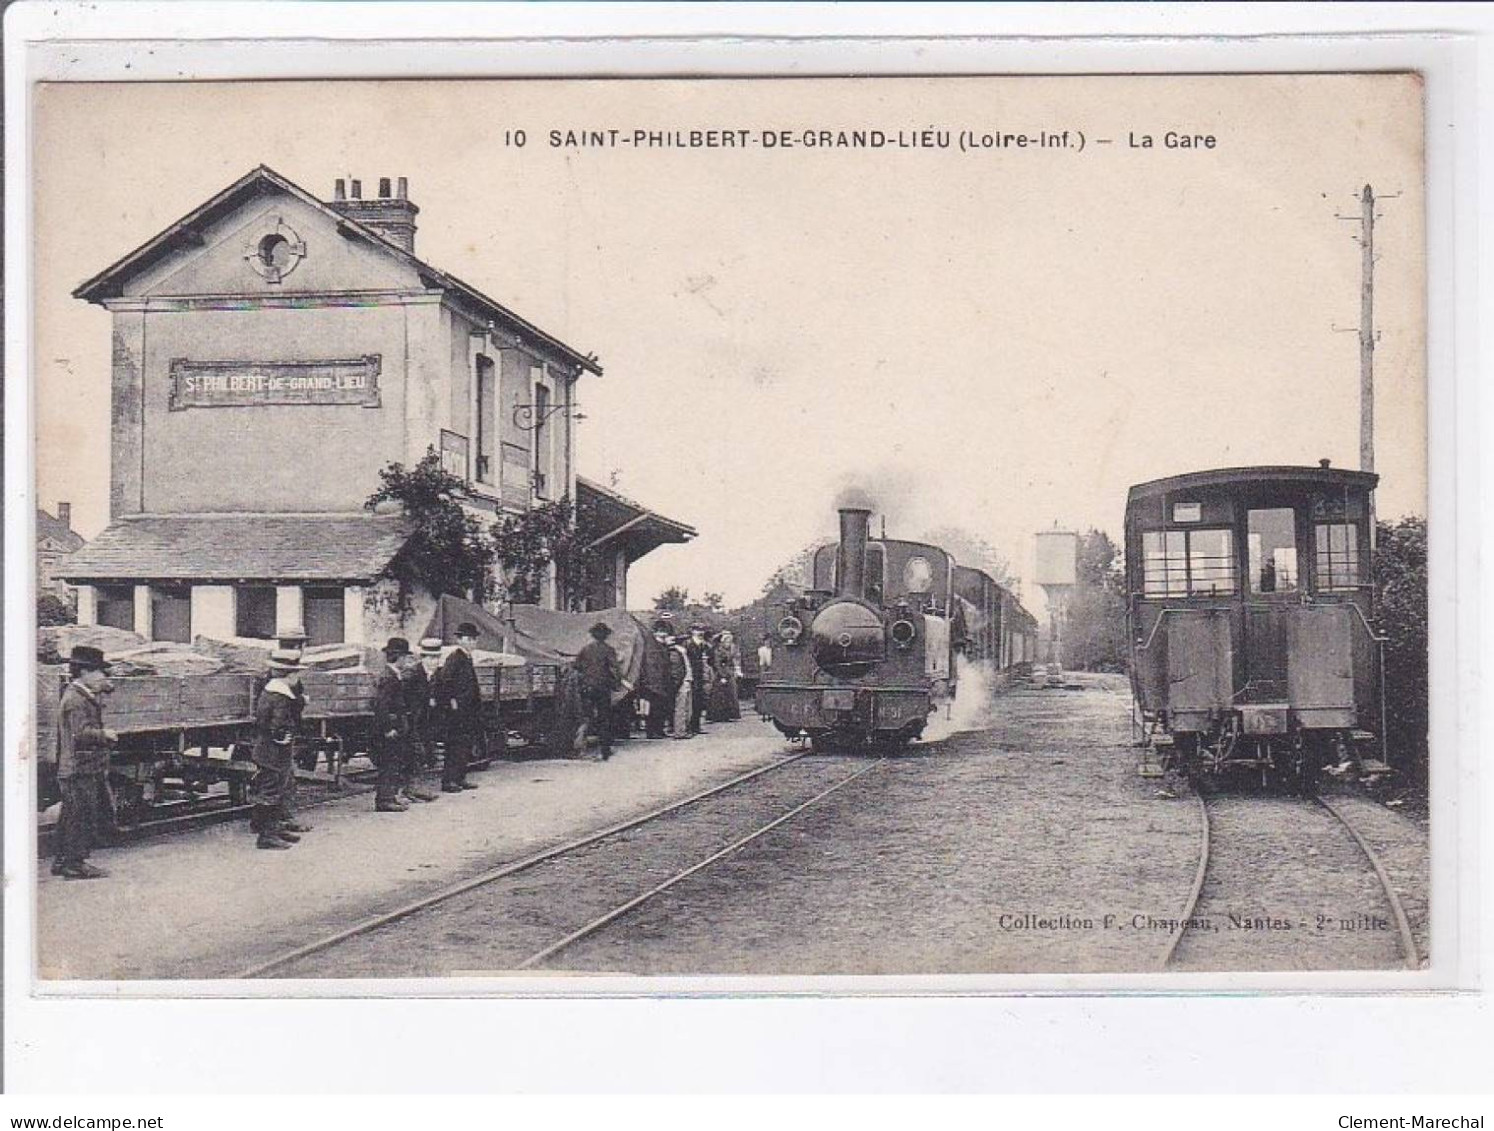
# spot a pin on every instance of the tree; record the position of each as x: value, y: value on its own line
x: 447, y: 551
x: 1094, y: 626
x: 793, y: 573
x: 1400, y: 578
x: 675, y: 599
x: 715, y: 602
x: 558, y: 534
x: 1099, y: 561
x: 975, y: 552
x: 52, y: 610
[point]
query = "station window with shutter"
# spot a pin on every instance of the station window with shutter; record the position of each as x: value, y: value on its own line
x: 116, y: 606
x: 254, y: 611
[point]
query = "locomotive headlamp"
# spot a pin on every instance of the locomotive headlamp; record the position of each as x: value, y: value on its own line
x: 791, y: 628
x: 903, y: 633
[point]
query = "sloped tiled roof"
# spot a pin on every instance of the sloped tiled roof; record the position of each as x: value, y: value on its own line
x: 108, y: 282
x: 227, y: 547
x: 49, y: 526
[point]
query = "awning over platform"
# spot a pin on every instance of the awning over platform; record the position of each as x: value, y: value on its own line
x: 631, y: 527
x: 232, y: 547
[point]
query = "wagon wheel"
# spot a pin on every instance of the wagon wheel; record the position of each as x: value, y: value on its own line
x: 125, y: 802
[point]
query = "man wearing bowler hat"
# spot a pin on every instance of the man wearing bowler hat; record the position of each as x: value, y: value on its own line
x: 83, y: 744
x: 601, y: 675
x: 460, y: 703
x: 391, y: 728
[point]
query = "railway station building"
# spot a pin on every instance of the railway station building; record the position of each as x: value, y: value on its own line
x: 272, y: 352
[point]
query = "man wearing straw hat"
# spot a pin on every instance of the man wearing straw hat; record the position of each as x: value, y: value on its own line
x: 83, y: 744
x: 275, y: 717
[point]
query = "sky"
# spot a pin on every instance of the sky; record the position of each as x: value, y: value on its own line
x: 996, y: 339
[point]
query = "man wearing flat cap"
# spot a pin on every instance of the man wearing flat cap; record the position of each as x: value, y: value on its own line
x: 391, y: 728
x: 83, y: 745
x: 601, y: 675
x: 459, y: 700
x: 276, y: 716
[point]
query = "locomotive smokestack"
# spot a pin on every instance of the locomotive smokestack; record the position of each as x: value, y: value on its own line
x: 850, y: 556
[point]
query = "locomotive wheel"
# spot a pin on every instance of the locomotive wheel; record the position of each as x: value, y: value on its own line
x: 824, y: 744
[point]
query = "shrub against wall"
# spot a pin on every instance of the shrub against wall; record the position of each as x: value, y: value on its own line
x: 448, y: 551
x: 1400, y: 576
x: 52, y: 610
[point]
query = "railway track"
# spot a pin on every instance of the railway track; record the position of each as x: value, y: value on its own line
x: 508, y: 918
x: 1267, y: 870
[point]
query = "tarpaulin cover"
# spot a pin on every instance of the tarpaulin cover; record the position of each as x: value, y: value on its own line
x: 548, y: 637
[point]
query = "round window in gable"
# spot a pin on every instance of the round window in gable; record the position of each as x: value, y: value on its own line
x: 274, y: 251
x: 274, y: 254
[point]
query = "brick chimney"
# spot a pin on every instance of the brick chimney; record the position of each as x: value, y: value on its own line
x: 65, y: 514
x: 392, y: 215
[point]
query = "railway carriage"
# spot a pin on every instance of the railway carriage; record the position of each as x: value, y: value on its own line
x: 869, y: 651
x: 181, y: 735
x: 1250, y: 619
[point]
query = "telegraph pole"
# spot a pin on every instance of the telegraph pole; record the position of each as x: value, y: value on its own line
x: 1367, y: 334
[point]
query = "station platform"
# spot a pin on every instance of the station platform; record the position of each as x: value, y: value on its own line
x: 207, y: 904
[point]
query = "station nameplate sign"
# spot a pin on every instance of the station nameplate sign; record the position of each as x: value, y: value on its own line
x: 218, y: 384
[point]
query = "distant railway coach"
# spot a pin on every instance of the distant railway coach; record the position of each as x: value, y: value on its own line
x: 1249, y: 618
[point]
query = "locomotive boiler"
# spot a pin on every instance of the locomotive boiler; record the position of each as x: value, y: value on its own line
x: 869, y: 651
x: 1250, y: 619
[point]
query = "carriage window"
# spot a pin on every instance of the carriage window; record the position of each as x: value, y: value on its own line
x: 1211, y: 561
x: 1338, y: 555
x: 1273, y: 550
x: 1165, y: 565
x: 1182, y: 563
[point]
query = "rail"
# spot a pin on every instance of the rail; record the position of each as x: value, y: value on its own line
x: 618, y: 912
x: 492, y: 875
x: 1398, y: 910
x: 1190, y: 905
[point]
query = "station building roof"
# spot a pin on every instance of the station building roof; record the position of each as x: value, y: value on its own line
x: 224, y: 548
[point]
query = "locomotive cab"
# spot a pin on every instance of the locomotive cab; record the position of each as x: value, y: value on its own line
x: 1249, y: 615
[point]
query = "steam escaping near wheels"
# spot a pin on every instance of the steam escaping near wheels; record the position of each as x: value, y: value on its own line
x: 973, y: 706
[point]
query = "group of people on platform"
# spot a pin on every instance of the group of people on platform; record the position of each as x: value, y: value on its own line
x: 419, y: 701
x: 700, y: 681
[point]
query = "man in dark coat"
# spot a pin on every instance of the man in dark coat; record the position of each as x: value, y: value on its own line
x: 654, y: 682
x: 698, y: 651
x: 601, y: 675
x: 83, y: 744
x: 417, y: 692
x: 459, y: 700
x: 427, y: 729
x: 276, y: 713
x: 391, y: 728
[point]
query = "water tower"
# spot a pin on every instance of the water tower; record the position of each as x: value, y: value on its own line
x: 1057, y: 571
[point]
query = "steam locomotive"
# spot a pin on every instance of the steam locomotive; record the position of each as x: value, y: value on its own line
x: 1252, y: 644
x: 869, y: 651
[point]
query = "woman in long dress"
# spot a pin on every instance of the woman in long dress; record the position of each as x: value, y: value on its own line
x: 724, y: 706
